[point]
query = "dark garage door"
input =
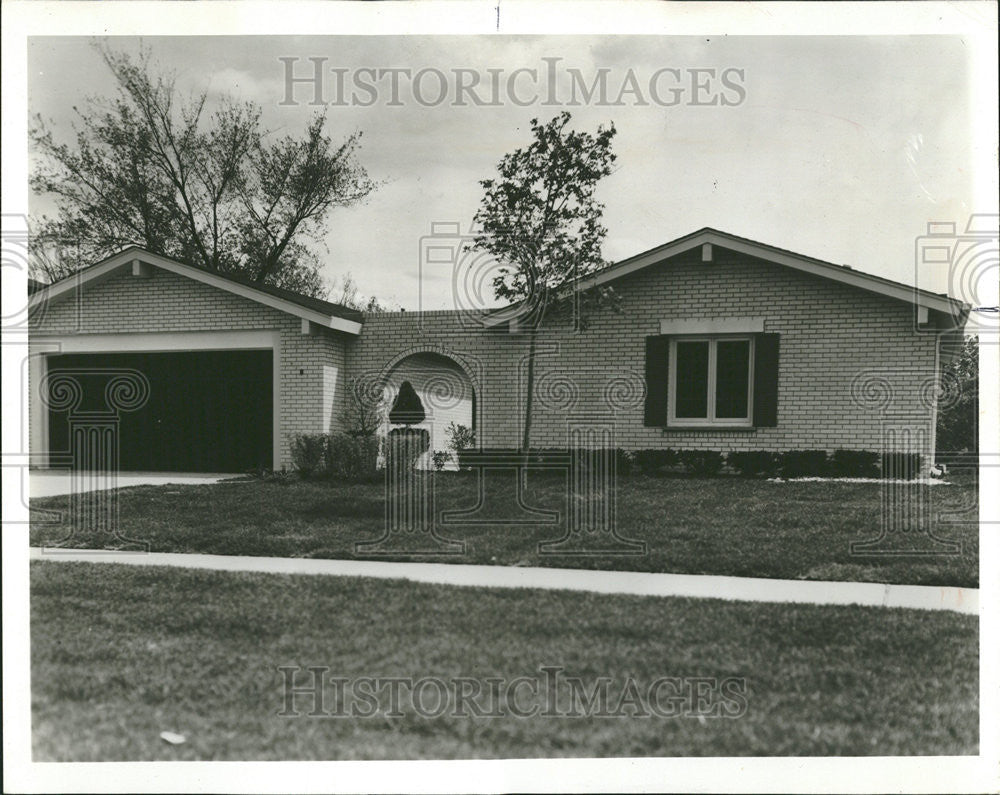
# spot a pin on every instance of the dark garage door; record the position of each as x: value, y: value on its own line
x: 208, y: 411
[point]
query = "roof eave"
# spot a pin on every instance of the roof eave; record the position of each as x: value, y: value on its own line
x: 106, y: 267
x: 912, y: 295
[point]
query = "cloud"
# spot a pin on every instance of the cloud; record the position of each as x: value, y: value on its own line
x: 837, y: 134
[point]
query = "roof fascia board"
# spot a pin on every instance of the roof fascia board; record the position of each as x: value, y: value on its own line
x: 644, y: 260
x: 128, y: 255
x: 93, y: 275
x: 853, y: 278
x: 850, y: 277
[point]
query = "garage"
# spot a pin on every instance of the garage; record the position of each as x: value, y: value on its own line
x: 235, y: 370
x: 207, y: 410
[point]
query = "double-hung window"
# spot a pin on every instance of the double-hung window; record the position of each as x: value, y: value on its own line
x: 711, y: 381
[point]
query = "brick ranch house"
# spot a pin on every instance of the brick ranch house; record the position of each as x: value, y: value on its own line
x: 717, y: 343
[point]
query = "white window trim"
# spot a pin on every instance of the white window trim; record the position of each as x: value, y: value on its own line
x: 711, y: 421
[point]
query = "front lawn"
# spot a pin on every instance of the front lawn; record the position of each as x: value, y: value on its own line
x: 728, y: 526
x: 121, y: 653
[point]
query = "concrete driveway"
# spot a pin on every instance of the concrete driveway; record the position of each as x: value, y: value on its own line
x: 53, y: 482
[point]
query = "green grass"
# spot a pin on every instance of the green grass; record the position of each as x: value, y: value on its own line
x: 121, y: 653
x: 728, y: 526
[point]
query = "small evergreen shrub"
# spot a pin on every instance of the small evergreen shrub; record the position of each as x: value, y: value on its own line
x: 754, y: 463
x: 854, y: 464
x: 407, y: 409
x: 597, y: 461
x: 803, y: 463
x: 700, y: 462
x: 905, y: 466
x: 623, y: 462
x: 352, y: 458
x: 549, y: 455
x: 588, y: 458
x: 652, y: 461
x: 405, y: 445
x: 309, y: 453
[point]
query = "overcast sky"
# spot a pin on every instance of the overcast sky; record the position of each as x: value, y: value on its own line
x: 841, y: 148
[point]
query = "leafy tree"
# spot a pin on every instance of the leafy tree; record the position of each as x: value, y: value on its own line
x: 540, y: 220
x: 957, y: 425
x: 208, y: 187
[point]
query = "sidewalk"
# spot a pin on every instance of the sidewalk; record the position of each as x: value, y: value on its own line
x: 748, y: 589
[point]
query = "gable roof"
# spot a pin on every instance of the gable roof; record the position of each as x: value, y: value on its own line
x: 707, y: 235
x: 315, y: 310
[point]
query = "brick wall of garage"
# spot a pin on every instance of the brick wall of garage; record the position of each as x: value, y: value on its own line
x: 832, y: 336
x: 312, y: 366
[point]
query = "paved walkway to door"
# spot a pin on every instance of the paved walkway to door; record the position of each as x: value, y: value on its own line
x: 921, y: 597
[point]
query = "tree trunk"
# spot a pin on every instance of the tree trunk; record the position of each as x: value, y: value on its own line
x: 526, y: 438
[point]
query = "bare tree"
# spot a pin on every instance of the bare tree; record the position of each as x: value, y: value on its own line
x: 207, y: 187
x: 345, y: 291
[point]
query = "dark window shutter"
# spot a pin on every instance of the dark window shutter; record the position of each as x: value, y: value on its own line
x: 765, y: 381
x: 657, y: 370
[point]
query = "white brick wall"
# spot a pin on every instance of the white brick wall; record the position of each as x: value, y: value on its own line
x: 830, y: 334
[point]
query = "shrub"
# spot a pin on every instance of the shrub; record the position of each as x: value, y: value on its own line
x: 308, y: 453
x: 279, y: 476
x: 700, y: 462
x: 623, y: 462
x: 352, y: 458
x: 803, y: 463
x: 591, y: 459
x: 407, y: 409
x: 958, y: 414
x: 440, y: 458
x: 901, y: 465
x: 652, y: 461
x: 754, y: 463
x: 460, y: 437
x: 854, y: 464
x: 587, y: 458
x: 365, y: 413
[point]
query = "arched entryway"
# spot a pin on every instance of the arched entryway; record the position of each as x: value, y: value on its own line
x: 446, y: 390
